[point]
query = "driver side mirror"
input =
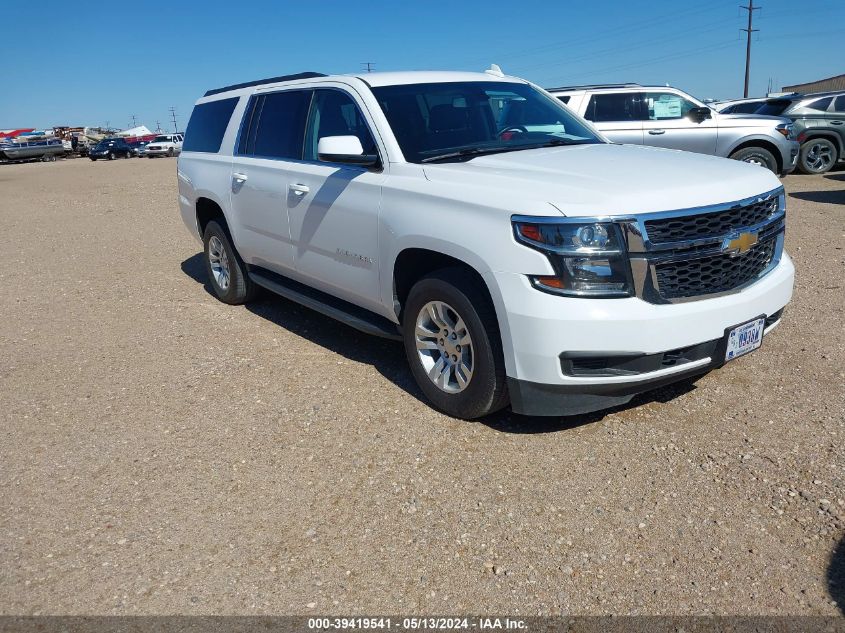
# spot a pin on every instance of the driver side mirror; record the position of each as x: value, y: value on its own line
x: 344, y: 149
x: 700, y: 114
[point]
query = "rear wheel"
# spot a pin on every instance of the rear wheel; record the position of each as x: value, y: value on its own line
x: 817, y: 156
x: 453, y: 345
x: 111, y: 155
x: 757, y: 156
x: 226, y: 270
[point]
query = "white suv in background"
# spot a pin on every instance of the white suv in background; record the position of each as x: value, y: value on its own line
x: 164, y: 145
x: 662, y: 116
x: 520, y: 257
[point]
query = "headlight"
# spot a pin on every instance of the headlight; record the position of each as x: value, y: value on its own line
x: 787, y: 129
x: 589, y: 259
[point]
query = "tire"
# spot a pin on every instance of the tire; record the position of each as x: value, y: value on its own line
x: 467, y: 310
x: 757, y: 156
x: 111, y: 155
x: 818, y: 156
x: 226, y: 271
x: 170, y: 152
x: 92, y: 159
x: 128, y: 154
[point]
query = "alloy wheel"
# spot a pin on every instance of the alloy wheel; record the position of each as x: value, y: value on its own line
x: 444, y: 346
x: 819, y: 157
x: 219, y: 261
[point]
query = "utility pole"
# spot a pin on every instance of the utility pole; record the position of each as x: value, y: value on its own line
x: 751, y: 9
x: 173, y: 116
x: 134, y: 124
x: 158, y: 126
x: 368, y: 66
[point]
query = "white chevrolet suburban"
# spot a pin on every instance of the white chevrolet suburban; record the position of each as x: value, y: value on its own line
x: 520, y: 257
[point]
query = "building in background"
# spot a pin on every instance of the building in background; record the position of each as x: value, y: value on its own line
x: 822, y: 85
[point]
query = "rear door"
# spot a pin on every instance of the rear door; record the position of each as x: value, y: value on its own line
x: 617, y: 115
x: 667, y: 124
x: 334, y: 208
x: 269, y: 145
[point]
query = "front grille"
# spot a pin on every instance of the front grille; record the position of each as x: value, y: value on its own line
x: 713, y: 274
x: 705, y: 225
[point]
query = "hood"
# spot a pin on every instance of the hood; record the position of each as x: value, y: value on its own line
x: 606, y: 179
x: 750, y: 120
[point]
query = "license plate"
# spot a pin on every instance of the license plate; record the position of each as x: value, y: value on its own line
x: 745, y: 338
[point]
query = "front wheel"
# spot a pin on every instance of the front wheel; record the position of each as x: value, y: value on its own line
x: 757, y: 156
x: 226, y: 270
x: 453, y: 345
x: 817, y: 156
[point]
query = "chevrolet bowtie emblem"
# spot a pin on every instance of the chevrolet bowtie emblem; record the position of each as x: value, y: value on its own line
x: 739, y: 243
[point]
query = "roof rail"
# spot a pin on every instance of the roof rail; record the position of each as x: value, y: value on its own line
x: 269, y: 80
x: 588, y: 86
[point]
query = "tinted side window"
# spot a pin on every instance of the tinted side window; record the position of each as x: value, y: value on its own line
x: 274, y: 125
x: 564, y: 99
x: 207, y: 125
x: 334, y: 113
x: 819, y: 104
x: 612, y: 107
x: 839, y: 104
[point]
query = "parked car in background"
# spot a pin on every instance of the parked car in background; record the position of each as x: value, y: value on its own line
x: 738, y: 106
x: 520, y: 257
x: 662, y: 116
x: 164, y: 145
x: 110, y: 148
x: 819, y: 120
x: 140, y: 149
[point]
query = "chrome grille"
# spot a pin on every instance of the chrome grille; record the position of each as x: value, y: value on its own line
x: 714, y: 274
x: 705, y: 225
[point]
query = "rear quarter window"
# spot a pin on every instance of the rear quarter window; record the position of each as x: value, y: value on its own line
x: 207, y: 126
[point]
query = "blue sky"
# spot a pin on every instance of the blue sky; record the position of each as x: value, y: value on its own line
x: 88, y: 62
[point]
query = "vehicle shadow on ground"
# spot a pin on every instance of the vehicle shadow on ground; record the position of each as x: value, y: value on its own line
x: 836, y: 575
x: 828, y: 197
x: 388, y: 358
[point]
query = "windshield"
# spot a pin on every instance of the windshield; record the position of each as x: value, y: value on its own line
x: 773, y: 108
x: 161, y: 139
x: 457, y: 120
x: 108, y: 141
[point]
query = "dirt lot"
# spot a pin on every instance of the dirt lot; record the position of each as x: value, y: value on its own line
x: 161, y: 452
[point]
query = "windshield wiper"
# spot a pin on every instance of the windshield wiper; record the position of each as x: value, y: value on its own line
x: 478, y: 151
x: 469, y: 151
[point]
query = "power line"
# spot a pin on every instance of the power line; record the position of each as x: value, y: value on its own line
x: 748, y: 31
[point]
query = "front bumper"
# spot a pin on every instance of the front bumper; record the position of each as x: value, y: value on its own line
x: 539, y: 329
x: 789, y: 157
x: 161, y: 152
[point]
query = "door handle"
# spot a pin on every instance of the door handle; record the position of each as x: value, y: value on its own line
x: 239, y: 178
x: 299, y: 190
x: 836, y: 122
x: 655, y: 132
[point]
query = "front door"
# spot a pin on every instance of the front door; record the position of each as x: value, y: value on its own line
x: 667, y: 124
x: 333, y: 208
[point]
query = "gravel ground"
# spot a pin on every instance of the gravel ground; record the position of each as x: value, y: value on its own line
x: 161, y: 452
